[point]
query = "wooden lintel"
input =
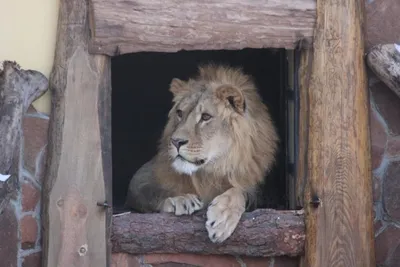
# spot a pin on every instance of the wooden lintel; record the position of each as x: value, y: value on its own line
x: 260, y: 233
x: 338, y: 191
x: 126, y: 26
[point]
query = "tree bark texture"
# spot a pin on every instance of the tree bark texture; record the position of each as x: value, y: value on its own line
x: 259, y: 233
x: 127, y: 26
x: 384, y: 61
x: 18, y: 89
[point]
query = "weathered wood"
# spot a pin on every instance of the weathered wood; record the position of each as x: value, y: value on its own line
x: 339, y: 228
x: 304, y: 75
x: 75, y: 228
x: 384, y: 61
x: 18, y: 89
x: 126, y: 26
x: 259, y: 233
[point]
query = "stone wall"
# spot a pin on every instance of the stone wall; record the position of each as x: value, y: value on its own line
x: 192, y: 260
x: 385, y: 137
x: 20, y: 242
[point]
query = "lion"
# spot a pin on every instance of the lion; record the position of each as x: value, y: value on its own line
x: 218, y: 144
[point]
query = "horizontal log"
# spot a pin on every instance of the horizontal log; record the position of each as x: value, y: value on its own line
x: 261, y: 233
x: 126, y: 26
x: 384, y: 61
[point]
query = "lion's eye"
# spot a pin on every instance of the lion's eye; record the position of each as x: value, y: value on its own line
x: 179, y: 113
x: 205, y: 117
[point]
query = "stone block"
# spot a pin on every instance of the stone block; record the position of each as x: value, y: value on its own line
x: 378, y: 139
x: 189, y: 260
x: 124, y: 260
x: 32, y: 260
x: 29, y: 232
x: 394, y: 260
x: 8, y: 237
x: 388, y: 105
x: 386, y: 243
x: 30, y: 196
x: 382, y: 22
x: 391, y: 190
x: 377, y: 188
x: 35, y: 142
x: 378, y: 225
x: 393, y: 147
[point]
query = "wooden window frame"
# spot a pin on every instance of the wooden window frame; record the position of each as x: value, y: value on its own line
x: 333, y: 182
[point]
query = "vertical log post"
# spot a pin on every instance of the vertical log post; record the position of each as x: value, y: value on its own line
x: 75, y: 228
x: 338, y: 191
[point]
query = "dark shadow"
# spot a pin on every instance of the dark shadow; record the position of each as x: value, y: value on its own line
x: 141, y: 101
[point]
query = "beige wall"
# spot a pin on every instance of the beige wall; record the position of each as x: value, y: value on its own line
x: 28, y: 35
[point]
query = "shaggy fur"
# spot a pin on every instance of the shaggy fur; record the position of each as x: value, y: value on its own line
x: 226, y: 144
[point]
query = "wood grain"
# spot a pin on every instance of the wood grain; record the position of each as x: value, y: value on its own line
x: 75, y: 230
x: 340, y: 230
x: 384, y: 61
x: 18, y: 89
x: 126, y: 26
x: 260, y: 233
x: 304, y: 75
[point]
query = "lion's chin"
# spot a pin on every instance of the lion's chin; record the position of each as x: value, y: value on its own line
x: 184, y: 167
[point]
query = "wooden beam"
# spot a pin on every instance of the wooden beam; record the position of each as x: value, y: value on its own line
x: 75, y: 228
x: 384, y: 61
x: 260, y: 233
x: 304, y: 75
x: 126, y: 26
x: 338, y: 192
x: 18, y: 89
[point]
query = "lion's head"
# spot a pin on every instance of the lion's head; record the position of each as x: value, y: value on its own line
x: 219, y: 123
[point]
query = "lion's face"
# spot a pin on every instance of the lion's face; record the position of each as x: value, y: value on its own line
x: 200, y: 134
x: 217, y: 118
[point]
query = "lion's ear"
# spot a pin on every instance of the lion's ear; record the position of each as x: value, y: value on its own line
x: 178, y: 87
x: 233, y: 96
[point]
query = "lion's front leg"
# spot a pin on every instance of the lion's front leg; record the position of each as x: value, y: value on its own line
x: 224, y: 213
x: 181, y: 205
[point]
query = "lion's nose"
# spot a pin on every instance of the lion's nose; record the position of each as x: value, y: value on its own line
x: 178, y: 142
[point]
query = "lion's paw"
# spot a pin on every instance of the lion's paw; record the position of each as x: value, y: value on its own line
x: 182, y: 205
x: 223, y: 215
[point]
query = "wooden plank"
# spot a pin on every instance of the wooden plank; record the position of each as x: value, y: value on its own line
x: 262, y: 233
x: 339, y: 225
x: 75, y: 229
x: 304, y: 73
x: 126, y: 26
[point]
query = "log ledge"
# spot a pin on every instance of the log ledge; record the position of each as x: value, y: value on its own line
x: 263, y: 232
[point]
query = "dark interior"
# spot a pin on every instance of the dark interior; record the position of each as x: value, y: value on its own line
x: 141, y: 101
